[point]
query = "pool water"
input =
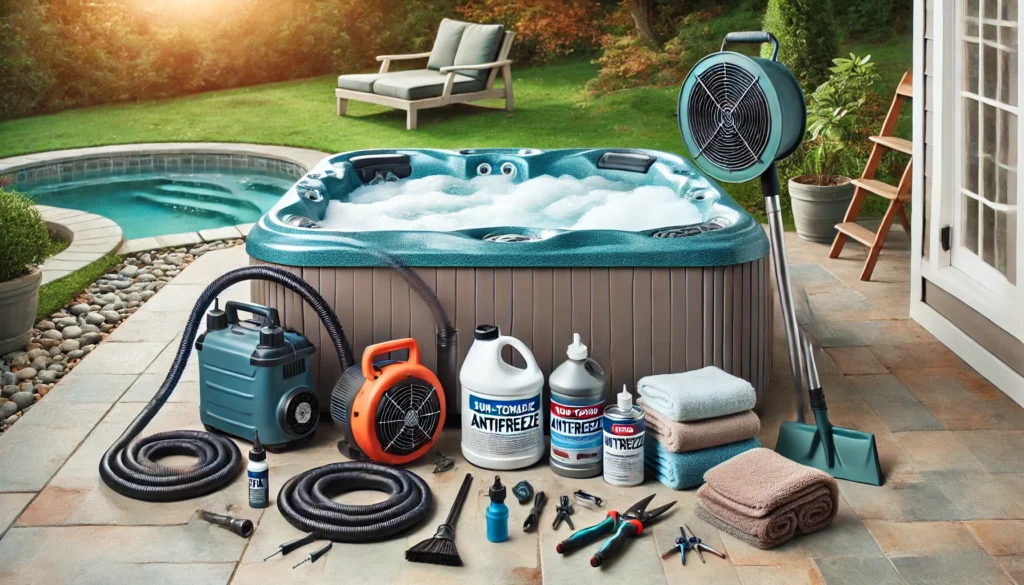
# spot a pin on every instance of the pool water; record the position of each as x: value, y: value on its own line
x: 156, y: 204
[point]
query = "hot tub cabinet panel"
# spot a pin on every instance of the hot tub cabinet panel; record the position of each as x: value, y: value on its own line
x: 636, y: 321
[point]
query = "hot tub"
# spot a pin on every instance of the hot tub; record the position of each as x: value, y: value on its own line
x: 664, y: 298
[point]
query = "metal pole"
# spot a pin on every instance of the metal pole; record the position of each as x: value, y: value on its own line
x: 776, y: 235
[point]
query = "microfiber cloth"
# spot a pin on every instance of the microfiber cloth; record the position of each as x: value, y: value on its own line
x: 765, y: 499
x: 680, y: 437
x: 704, y: 393
x: 681, y: 471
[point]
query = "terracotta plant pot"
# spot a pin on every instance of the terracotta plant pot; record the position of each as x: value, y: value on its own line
x: 19, y: 299
x: 817, y: 209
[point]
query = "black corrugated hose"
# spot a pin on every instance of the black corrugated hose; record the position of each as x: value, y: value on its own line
x: 130, y: 469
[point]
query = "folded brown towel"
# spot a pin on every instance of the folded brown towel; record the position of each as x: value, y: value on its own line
x: 681, y: 437
x: 765, y: 499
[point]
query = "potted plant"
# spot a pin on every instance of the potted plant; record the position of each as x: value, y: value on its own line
x: 23, y: 243
x: 822, y: 193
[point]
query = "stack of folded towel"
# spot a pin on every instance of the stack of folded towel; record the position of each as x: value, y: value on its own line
x: 764, y: 499
x: 696, y: 420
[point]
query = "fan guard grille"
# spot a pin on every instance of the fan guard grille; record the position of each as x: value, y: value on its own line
x: 407, y: 416
x: 302, y: 411
x: 729, y: 117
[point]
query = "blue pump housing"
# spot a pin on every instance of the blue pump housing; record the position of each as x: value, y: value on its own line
x: 255, y: 375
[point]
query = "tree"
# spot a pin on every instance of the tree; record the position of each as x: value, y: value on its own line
x: 807, y: 37
x: 642, y: 12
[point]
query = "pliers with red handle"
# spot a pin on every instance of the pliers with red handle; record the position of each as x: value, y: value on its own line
x: 621, y: 526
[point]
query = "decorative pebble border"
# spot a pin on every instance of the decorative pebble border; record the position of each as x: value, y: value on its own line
x: 59, y: 343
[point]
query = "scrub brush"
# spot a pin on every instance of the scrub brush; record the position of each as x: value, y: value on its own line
x: 440, y: 548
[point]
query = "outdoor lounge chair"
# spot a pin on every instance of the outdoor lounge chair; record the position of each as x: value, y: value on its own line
x: 461, y: 68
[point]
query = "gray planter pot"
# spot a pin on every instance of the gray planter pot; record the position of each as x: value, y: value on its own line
x: 19, y: 299
x: 816, y: 209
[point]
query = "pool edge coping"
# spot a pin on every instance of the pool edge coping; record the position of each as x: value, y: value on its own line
x: 305, y: 158
x: 92, y: 237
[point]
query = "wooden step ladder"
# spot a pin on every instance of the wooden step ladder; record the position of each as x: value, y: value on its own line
x: 897, y: 195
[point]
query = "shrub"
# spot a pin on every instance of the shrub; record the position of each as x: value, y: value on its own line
x: 545, y: 29
x: 629, y: 62
x: 832, y: 120
x: 807, y: 37
x: 702, y: 32
x: 23, y: 236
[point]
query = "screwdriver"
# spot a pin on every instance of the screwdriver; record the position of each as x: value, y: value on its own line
x: 316, y: 554
x: 283, y: 549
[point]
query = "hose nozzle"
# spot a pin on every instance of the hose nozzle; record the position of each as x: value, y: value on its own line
x: 239, y: 526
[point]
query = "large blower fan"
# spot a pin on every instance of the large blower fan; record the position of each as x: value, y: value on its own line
x: 389, y: 411
x: 738, y: 115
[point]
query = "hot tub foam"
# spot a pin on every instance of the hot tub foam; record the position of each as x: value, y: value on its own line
x: 643, y: 304
x: 446, y: 203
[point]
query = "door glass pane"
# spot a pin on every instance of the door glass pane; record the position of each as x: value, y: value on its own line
x: 971, y: 66
x: 988, y: 152
x: 970, y: 147
x: 990, y: 70
x: 970, y: 224
x: 988, y: 243
x: 991, y: 8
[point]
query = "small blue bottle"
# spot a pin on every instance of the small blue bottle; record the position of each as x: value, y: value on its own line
x: 497, y: 513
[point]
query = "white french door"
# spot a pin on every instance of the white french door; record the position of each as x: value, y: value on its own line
x: 985, y: 219
x: 976, y: 238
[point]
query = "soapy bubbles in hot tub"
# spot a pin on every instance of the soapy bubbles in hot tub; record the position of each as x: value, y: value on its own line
x: 446, y: 203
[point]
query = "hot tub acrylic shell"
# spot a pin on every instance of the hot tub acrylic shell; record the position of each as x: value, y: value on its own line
x: 643, y: 305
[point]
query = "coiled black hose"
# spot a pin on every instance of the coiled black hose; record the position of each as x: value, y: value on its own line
x: 306, y: 501
x: 130, y: 469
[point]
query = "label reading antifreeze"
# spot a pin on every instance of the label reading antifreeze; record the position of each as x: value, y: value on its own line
x: 576, y: 431
x: 624, y: 451
x: 504, y: 427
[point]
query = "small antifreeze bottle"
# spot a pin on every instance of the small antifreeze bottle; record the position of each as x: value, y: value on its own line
x: 624, y: 429
x: 259, y: 475
x: 497, y: 513
x: 577, y: 402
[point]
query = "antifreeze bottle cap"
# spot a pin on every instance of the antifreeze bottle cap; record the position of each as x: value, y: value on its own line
x: 257, y: 453
x: 497, y: 491
x: 625, y: 399
x: 577, y: 351
x: 486, y: 333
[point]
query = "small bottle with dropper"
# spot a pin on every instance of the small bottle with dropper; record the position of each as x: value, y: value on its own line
x: 497, y: 513
x: 259, y: 475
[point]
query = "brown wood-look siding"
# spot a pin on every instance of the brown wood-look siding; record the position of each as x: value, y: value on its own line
x: 636, y: 321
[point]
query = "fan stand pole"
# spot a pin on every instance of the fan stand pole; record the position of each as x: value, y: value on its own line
x: 776, y: 232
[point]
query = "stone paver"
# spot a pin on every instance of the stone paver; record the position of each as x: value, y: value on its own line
x: 951, y: 509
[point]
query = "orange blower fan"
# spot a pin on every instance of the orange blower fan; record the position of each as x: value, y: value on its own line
x: 389, y: 411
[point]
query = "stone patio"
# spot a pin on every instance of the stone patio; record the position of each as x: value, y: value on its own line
x: 951, y: 510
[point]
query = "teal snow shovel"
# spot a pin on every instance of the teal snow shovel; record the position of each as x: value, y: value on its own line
x: 844, y: 453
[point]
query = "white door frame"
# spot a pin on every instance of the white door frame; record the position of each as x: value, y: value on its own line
x: 936, y: 266
x: 1001, y: 303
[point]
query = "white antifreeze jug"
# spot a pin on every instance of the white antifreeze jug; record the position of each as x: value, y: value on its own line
x: 501, y: 404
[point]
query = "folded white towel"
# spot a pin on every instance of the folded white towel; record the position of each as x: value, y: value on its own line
x: 704, y: 393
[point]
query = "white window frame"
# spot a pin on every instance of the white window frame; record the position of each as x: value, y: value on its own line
x: 1000, y: 302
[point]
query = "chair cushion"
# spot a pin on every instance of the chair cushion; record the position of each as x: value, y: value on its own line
x: 424, y: 84
x: 446, y: 43
x: 364, y: 81
x: 480, y: 44
x: 358, y: 82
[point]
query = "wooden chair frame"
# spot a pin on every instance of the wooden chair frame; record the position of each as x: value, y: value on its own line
x: 412, y: 107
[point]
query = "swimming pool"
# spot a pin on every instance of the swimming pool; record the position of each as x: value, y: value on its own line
x: 669, y: 274
x: 160, y: 203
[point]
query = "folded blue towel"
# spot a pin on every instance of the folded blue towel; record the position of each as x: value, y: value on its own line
x: 681, y: 471
x: 696, y: 395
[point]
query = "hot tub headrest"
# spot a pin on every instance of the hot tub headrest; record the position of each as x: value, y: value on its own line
x: 626, y: 161
x: 371, y: 165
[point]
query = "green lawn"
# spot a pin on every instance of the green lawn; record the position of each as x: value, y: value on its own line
x: 553, y: 111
